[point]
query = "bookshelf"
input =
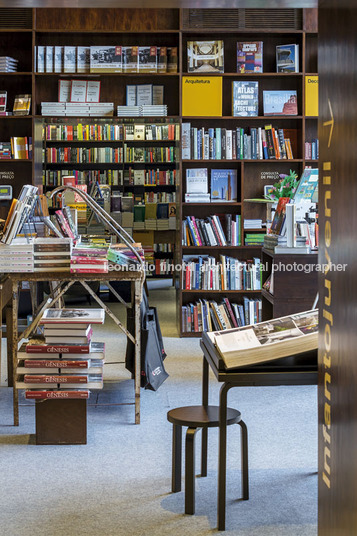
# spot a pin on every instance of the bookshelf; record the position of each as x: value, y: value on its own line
x: 28, y: 28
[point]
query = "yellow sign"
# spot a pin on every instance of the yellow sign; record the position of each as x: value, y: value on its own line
x: 202, y: 96
x: 311, y: 95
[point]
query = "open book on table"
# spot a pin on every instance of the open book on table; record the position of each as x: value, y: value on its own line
x: 266, y: 341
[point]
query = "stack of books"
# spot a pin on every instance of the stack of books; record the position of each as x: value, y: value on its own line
x: 129, y: 111
x: 254, y: 239
x: 75, y: 109
x: 122, y: 255
x: 89, y: 260
x: 65, y: 363
x: 52, y: 254
x: 253, y: 224
x: 146, y: 110
x: 8, y: 64
x: 5, y: 150
x: 17, y: 257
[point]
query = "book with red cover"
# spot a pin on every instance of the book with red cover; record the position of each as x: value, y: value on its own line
x: 56, y: 363
x: 43, y: 395
x: 89, y: 260
x: 39, y: 346
x: 278, y: 223
x: 55, y: 378
x: 87, y: 270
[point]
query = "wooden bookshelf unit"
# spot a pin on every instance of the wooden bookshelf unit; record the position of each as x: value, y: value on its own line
x: 170, y: 28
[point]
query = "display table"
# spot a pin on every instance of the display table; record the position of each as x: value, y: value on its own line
x: 61, y: 282
x: 293, y: 370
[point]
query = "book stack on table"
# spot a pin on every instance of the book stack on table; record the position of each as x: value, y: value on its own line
x: 17, y: 257
x: 52, y: 254
x: 65, y: 363
x: 89, y: 260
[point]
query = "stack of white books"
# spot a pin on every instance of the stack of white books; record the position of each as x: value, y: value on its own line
x: 74, y: 109
x: 163, y: 224
x: 52, y: 254
x: 8, y: 64
x: 151, y: 225
x: 198, y: 198
x: 139, y: 226
x: 129, y: 111
x: 154, y: 110
x: 253, y: 224
x: 17, y: 257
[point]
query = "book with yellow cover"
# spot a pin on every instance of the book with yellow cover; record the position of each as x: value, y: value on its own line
x: 19, y: 147
x: 202, y: 96
x: 312, y: 95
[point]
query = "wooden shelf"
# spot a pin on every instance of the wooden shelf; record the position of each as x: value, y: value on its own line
x: 16, y: 116
x: 240, y: 119
x: 17, y: 73
x: 85, y: 75
x: 193, y: 291
x: 219, y: 248
x: 246, y: 161
x: 12, y: 160
x: 213, y: 204
x: 245, y: 75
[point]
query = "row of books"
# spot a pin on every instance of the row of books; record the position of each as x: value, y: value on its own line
x: 18, y: 148
x: 256, y: 143
x: 144, y: 110
x: 65, y: 362
x: 83, y: 155
x: 312, y: 149
x: 206, y: 273
x: 207, y: 315
x: 8, y: 64
x: 212, y: 231
x: 208, y: 56
x: 113, y: 177
x: 150, y: 177
x: 157, y: 197
x: 150, y: 154
x: 75, y: 109
x: 106, y: 59
x: 111, y: 132
x: 161, y: 267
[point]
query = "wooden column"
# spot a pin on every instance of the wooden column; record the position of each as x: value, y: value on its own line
x: 338, y: 289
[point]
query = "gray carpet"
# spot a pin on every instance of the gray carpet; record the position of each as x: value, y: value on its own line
x: 119, y: 483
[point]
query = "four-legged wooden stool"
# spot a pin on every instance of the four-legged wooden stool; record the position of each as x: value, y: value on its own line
x: 197, y: 417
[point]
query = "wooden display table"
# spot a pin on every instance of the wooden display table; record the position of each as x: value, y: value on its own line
x: 61, y: 283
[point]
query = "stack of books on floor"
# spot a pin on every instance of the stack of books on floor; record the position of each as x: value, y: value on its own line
x: 89, y: 260
x: 211, y: 316
x: 8, y: 64
x: 65, y: 363
x: 74, y: 109
x: 52, y: 254
x: 17, y: 257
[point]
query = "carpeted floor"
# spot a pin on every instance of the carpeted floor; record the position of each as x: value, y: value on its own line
x: 119, y: 483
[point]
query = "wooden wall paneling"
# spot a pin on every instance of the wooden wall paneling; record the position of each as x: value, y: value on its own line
x: 337, y: 393
x: 78, y: 38
x: 311, y: 53
x: 107, y: 20
x: 310, y: 19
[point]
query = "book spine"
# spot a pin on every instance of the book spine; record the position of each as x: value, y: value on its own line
x: 54, y: 378
x: 43, y: 395
x: 55, y: 363
x: 57, y: 349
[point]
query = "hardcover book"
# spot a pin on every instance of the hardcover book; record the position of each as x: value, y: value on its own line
x: 22, y: 104
x: 250, y: 57
x: 266, y: 341
x: 172, y: 60
x: 3, y: 99
x: 58, y: 59
x: 205, y: 56
x: 245, y: 99
x: 83, y: 59
x: 278, y: 223
x: 81, y: 316
x: 69, y: 54
x: 224, y: 185
x: 280, y: 102
x: 130, y: 59
x: 106, y: 59
x: 307, y: 186
x: 287, y: 58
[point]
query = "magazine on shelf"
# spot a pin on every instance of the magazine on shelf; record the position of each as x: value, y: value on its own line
x: 266, y: 341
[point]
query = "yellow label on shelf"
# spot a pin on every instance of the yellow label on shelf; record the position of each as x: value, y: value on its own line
x: 311, y: 95
x: 201, y: 96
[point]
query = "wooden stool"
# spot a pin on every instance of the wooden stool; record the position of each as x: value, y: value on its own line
x: 196, y: 417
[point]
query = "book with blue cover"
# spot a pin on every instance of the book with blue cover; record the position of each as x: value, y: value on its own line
x: 245, y: 98
x: 307, y: 187
x: 280, y: 102
x: 287, y: 58
x: 223, y: 185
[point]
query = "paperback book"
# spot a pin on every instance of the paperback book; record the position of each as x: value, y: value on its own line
x: 197, y: 180
x: 250, y: 57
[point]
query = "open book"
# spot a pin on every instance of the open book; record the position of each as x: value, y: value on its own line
x: 266, y: 341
